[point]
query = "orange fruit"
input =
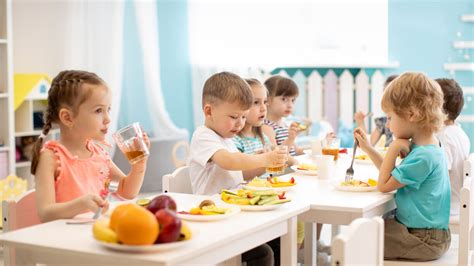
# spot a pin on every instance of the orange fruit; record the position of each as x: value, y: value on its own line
x: 137, y: 226
x: 117, y: 213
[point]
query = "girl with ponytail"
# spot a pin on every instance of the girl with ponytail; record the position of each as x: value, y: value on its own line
x: 71, y: 173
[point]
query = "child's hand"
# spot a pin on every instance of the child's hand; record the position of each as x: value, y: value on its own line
x: 359, y: 117
x: 401, y: 146
x: 361, y: 137
x: 93, y: 202
x: 292, y: 132
x: 276, y: 158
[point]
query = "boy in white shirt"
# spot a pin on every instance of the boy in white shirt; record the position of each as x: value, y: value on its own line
x: 214, y: 162
x: 454, y: 140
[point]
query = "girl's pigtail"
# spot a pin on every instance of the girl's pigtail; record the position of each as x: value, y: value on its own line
x: 38, y: 145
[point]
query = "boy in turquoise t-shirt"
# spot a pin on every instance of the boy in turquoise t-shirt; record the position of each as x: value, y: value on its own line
x: 419, y: 231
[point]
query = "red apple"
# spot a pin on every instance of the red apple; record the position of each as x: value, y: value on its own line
x: 170, y: 226
x: 161, y: 202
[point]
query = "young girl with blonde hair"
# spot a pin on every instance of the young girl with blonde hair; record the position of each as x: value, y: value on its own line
x: 71, y: 174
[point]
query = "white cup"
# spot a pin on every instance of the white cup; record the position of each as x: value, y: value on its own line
x: 326, y: 166
x: 316, y: 148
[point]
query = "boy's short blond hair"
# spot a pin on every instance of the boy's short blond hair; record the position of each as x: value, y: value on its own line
x: 417, y: 93
x: 227, y: 87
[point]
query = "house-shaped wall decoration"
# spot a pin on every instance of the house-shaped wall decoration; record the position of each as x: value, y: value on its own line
x: 30, y: 86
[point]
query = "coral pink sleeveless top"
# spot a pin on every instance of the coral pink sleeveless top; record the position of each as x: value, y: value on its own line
x: 77, y: 177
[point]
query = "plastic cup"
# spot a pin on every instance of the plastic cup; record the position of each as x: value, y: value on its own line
x: 316, y: 147
x: 326, y: 167
x: 130, y: 141
x: 277, y: 170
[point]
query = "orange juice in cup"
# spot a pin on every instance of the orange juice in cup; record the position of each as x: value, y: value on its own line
x: 277, y: 170
x: 130, y: 141
x: 332, y: 148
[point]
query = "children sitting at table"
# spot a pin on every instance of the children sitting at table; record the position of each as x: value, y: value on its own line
x: 215, y: 163
x: 453, y: 139
x: 419, y: 230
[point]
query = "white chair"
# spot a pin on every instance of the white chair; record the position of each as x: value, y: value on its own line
x: 462, y: 245
x: 20, y: 213
x: 16, y: 214
x: 468, y: 171
x: 179, y: 181
x: 180, y: 148
x: 361, y: 244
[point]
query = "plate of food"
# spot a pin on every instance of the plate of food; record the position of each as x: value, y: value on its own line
x: 355, y: 185
x: 271, y: 183
x: 254, y: 200
x: 143, y: 248
x: 208, y: 211
x: 305, y: 169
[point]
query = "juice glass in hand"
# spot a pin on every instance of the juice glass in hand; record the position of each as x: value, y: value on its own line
x: 130, y: 141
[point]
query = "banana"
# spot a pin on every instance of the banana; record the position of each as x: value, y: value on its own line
x: 185, y: 233
x: 102, y: 232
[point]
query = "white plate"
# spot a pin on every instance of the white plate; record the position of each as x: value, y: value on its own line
x: 276, y: 189
x: 210, y: 218
x: 146, y: 248
x: 304, y: 172
x: 338, y: 186
x: 308, y: 152
x: 259, y: 208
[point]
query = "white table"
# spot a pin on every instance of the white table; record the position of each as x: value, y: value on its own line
x: 331, y: 206
x: 214, y: 242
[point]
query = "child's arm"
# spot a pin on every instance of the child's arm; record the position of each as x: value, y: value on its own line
x: 48, y: 209
x: 387, y: 182
x: 359, y: 118
x: 235, y: 161
x: 364, y: 144
x: 250, y: 174
x: 130, y: 184
x: 375, y: 137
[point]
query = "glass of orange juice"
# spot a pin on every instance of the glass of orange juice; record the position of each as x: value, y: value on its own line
x: 130, y: 141
x: 279, y: 169
x: 331, y: 147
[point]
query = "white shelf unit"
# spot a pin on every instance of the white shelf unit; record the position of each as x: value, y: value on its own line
x: 7, y: 150
x: 463, y: 44
x: 464, y: 66
x: 467, y: 18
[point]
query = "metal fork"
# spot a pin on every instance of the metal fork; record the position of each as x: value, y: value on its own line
x: 113, y: 187
x: 350, y: 170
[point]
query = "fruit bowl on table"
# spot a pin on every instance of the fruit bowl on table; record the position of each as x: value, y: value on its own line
x: 143, y: 226
x: 145, y: 248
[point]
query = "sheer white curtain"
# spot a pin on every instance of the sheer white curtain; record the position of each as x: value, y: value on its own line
x: 147, y: 23
x: 95, y: 43
x: 51, y: 36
